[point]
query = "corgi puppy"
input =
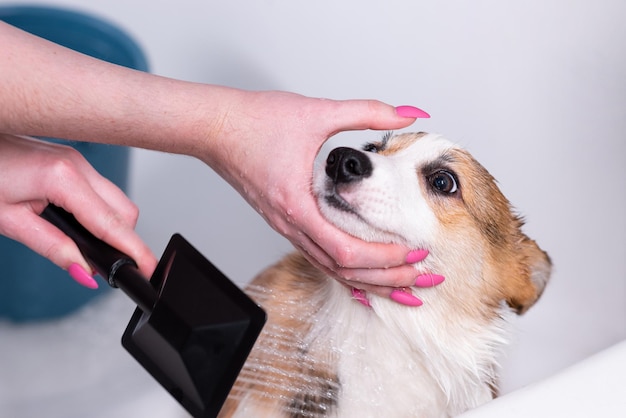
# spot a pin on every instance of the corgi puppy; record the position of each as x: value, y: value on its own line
x: 323, y: 354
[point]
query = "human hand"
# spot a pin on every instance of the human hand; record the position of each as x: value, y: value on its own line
x: 35, y: 173
x: 263, y: 143
x: 265, y: 146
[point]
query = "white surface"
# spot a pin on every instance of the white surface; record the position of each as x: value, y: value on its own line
x: 76, y: 368
x: 595, y: 387
x: 536, y: 90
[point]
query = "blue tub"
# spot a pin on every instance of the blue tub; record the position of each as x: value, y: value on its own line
x: 31, y: 287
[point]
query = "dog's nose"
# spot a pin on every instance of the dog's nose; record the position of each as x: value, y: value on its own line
x: 345, y: 165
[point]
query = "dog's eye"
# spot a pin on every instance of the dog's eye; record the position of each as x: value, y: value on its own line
x: 443, y: 181
x: 371, y: 147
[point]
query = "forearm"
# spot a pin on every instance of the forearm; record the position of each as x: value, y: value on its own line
x: 48, y: 90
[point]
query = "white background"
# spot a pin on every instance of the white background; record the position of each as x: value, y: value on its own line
x: 535, y: 89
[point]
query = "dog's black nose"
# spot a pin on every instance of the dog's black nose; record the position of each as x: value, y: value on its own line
x: 345, y: 165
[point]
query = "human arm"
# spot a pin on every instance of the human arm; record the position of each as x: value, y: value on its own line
x: 232, y: 130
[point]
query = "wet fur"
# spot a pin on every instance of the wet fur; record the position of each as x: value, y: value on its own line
x: 323, y: 354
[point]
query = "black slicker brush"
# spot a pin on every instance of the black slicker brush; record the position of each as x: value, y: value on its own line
x: 193, y: 328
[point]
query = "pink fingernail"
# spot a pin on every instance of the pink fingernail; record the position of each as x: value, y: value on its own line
x: 81, y: 276
x: 404, y: 298
x: 359, y: 296
x: 428, y: 280
x: 416, y: 256
x: 411, y: 112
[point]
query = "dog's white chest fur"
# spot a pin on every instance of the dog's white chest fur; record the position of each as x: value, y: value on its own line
x: 379, y: 362
x: 385, y: 355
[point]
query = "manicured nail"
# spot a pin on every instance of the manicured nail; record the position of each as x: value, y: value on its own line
x: 81, y: 276
x: 416, y: 256
x: 359, y: 296
x: 428, y: 280
x: 411, y: 112
x: 404, y: 298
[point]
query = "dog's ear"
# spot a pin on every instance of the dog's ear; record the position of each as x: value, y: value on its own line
x: 534, y: 272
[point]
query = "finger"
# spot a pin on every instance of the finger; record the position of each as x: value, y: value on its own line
x: 106, y: 224
x: 71, y: 174
x: 400, y: 276
x: 318, y: 258
x: 396, y: 277
x: 116, y: 198
x: 110, y: 193
x: 373, y: 114
x: 350, y: 252
x: 365, y: 288
x: 22, y: 225
x: 103, y: 220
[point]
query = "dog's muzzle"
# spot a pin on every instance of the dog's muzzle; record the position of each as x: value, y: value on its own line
x: 347, y: 165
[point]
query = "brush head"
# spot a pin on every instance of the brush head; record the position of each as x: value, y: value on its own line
x: 199, y: 333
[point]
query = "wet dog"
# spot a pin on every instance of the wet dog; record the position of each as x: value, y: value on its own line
x: 324, y: 354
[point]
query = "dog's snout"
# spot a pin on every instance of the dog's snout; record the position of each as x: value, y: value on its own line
x: 345, y: 165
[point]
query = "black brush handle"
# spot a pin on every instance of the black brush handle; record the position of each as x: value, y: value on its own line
x: 113, y: 265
